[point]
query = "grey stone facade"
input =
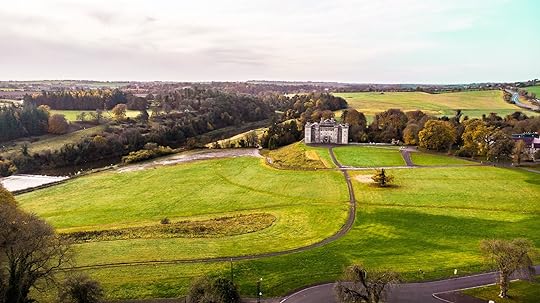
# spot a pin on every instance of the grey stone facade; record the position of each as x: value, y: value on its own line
x: 326, y: 131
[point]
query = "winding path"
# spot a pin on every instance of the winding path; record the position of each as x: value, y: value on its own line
x: 339, y: 234
x: 425, y: 292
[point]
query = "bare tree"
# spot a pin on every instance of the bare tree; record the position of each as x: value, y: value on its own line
x: 359, y: 285
x: 30, y: 252
x: 509, y: 256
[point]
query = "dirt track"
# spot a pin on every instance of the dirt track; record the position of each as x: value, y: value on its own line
x: 193, y: 156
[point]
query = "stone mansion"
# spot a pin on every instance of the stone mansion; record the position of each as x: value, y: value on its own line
x: 326, y: 131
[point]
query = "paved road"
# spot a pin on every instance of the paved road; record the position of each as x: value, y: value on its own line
x: 406, y: 155
x: 515, y: 99
x: 410, y: 292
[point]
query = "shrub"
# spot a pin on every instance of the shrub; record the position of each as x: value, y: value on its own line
x: 81, y: 289
x: 218, y: 290
x: 146, y: 154
x: 165, y: 221
x: 7, y: 168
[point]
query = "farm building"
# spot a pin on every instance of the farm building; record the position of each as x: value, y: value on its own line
x: 326, y: 131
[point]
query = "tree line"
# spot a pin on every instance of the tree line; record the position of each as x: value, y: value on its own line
x: 103, y: 99
x: 195, y: 116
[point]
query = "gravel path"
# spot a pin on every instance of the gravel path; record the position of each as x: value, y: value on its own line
x: 406, y: 154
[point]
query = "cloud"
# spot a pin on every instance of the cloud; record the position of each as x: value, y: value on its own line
x: 343, y: 40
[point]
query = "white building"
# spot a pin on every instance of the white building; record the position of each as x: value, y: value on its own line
x: 326, y: 131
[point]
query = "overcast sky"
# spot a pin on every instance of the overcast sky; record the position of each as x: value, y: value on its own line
x: 377, y: 41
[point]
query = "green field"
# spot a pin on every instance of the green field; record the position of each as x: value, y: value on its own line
x: 369, y: 156
x: 472, y: 103
x: 426, y: 159
x: 195, y: 191
x: 433, y: 220
x: 54, y: 142
x: 520, y: 292
x: 71, y: 115
x: 533, y: 89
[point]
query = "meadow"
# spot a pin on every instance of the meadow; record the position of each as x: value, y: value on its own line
x: 369, y: 156
x: 424, y: 227
x: 53, y: 142
x: 427, y: 226
x: 520, y: 292
x: 431, y: 159
x: 196, y: 191
x: 71, y: 115
x: 534, y: 89
x: 472, y: 103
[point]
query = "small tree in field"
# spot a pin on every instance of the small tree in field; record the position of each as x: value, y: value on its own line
x: 382, y: 178
x: 509, y: 257
x: 119, y: 111
x: 361, y: 285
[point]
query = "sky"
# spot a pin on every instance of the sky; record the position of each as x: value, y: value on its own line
x: 357, y: 41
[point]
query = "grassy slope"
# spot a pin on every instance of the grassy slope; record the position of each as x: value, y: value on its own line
x: 426, y: 159
x: 199, y: 190
x: 368, y: 156
x: 534, y: 89
x: 55, y: 141
x: 299, y: 155
x: 71, y: 115
x: 520, y: 292
x: 473, y: 103
x: 433, y: 222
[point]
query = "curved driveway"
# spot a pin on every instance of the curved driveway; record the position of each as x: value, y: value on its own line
x: 426, y: 292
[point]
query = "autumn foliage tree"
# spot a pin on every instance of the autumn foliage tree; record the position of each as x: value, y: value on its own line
x: 410, y: 134
x: 437, y: 135
x: 119, y: 111
x: 58, y: 124
x: 381, y: 178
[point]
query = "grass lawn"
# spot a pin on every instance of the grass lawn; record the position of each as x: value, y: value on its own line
x: 433, y: 221
x: 299, y: 155
x: 520, y: 292
x: 194, y: 191
x: 236, y: 138
x: 533, y: 89
x: 54, y: 142
x: 369, y: 156
x: 472, y: 103
x: 428, y: 159
x: 71, y: 115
